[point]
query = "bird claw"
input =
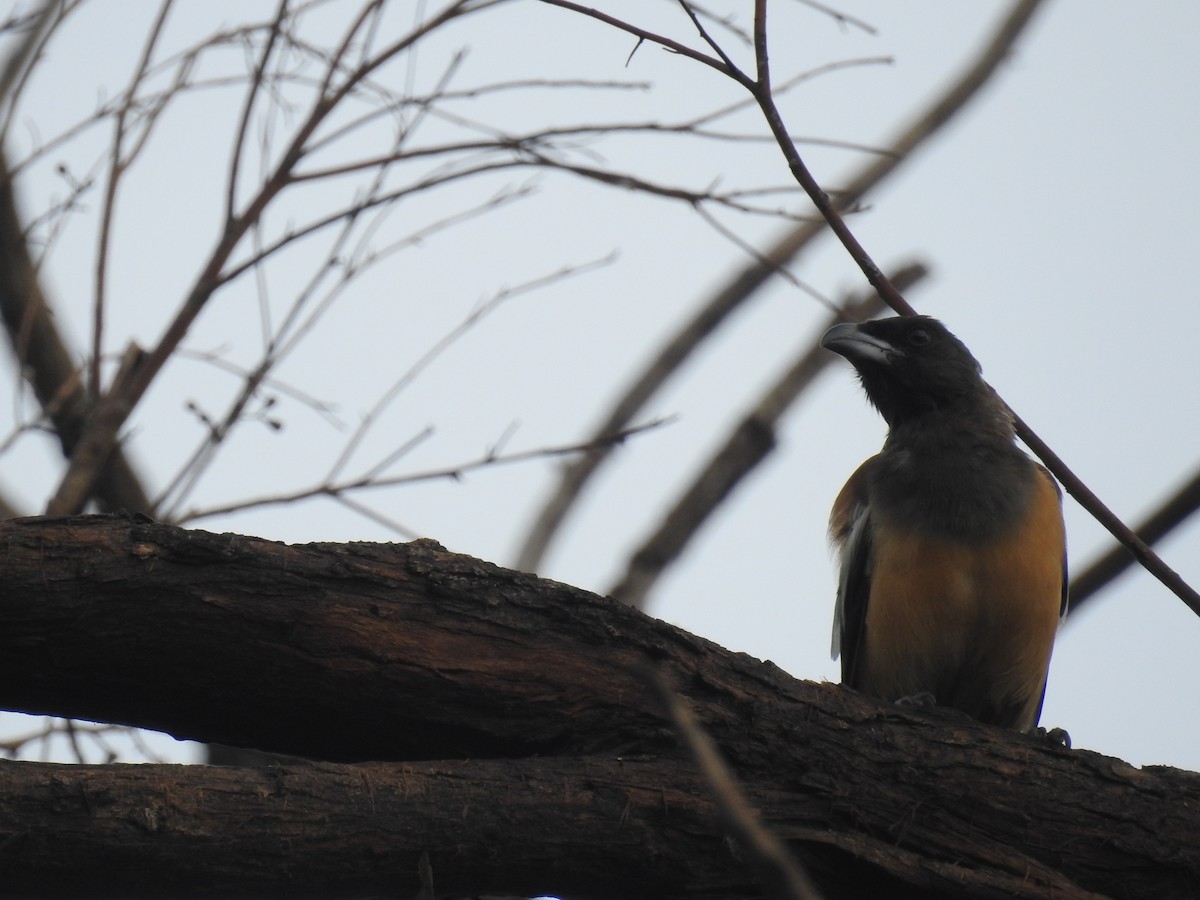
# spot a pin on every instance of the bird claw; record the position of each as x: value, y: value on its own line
x: 1057, y: 737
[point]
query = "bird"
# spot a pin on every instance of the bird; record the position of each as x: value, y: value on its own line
x: 951, y: 544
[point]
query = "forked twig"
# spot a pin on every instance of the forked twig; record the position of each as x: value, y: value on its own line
x: 454, y: 473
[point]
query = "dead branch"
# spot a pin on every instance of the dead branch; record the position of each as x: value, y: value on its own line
x: 374, y: 479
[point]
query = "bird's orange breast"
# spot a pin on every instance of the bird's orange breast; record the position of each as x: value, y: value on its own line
x: 972, y: 622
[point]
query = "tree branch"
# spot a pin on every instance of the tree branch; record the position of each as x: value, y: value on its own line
x: 722, y: 65
x: 409, y: 653
x: 45, y: 359
x: 1174, y: 511
x: 101, y: 426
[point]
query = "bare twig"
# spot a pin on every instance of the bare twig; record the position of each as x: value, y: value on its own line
x: 16, y: 66
x: 840, y: 17
x: 117, y: 166
x: 267, y: 76
x: 373, y: 515
x: 454, y: 473
x: 643, y: 34
x: 440, y: 347
x: 104, y: 421
x: 708, y: 38
x: 1173, y: 512
x: 253, y: 89
x: 77, y: 735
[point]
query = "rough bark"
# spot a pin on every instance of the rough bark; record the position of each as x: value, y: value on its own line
x: 525, y: 750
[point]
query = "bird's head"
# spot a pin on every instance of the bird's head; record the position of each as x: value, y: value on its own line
x: 911, y: 366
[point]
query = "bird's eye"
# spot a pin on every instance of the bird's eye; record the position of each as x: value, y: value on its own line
x: 919, y: 337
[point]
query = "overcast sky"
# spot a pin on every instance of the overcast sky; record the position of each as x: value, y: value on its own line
x: 1058, y: 214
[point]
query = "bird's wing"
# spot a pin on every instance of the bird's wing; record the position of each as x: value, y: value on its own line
x: 1058, y: 490
x: 850, y: 530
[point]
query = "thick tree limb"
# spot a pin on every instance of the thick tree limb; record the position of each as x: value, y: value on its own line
x: 408, y: 652
x: 572, y: 827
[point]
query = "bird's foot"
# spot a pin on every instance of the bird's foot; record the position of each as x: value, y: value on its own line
x: 1058, y: 737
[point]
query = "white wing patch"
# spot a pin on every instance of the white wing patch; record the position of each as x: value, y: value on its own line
x: 848, y: 553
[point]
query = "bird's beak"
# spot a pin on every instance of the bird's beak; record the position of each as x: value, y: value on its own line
x: 856, y: 345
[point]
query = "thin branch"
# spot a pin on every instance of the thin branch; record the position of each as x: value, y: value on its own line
x: 708, y: 39
x: 762, y: 84
x: 212, y: 358
x: 252, y: 93
x: 841, y: 17
x: 377, y: 470
x: 117, y: 166
x: 426, y: 102
x: 452, y: 473
x: 731, y: 200
x: 1086, y: 498
x: 335, y: 64
x: 105, y: 420
x: 754, y: 253
x: 230, y: 274
x: 292, y: 330
x: 440, y: 347
x: 808, y: 75
x: 643, y: 35
x: 374, y: 515
x: 1173, y: 512
x: 425, y: 106
x: 38, y: 26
